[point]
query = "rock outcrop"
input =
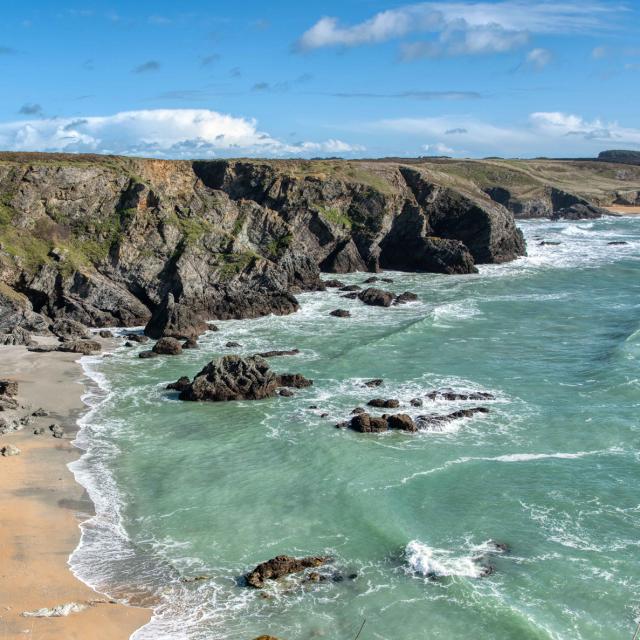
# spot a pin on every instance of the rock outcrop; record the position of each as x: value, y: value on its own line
x: 281, y: 566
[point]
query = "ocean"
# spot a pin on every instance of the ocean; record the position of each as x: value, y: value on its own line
x: 190, y: 496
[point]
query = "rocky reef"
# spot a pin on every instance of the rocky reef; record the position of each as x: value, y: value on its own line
x: 120, y: 241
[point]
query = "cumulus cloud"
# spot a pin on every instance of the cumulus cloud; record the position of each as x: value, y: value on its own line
x: 460, y: 27
x: 544, y: 133
x: 539, y: 58
x: 171, y: 133
x: 438, y: 148
x: 146, y: 67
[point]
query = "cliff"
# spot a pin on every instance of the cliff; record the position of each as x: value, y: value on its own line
x: 104, y: 240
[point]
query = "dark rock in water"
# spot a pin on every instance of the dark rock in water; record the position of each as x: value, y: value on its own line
x: 333, y: 284
x: 168, y: 346
x: 136, y: 337
x: 8, y: 388
x: 128, y: 344
x: 407, y: 296
x: 266, y: 637
x: 67, y: 329
x: 190, y: 343
x: 312, y: 406
x: 105, y: 334
x: 617, y: 242
x: 364, y: 423
x: 380, y: 403
x: 233, y: 378
x: 499, y: 547
x: 350, y: 296
x: 56, y: 430
x: 343, y: 425
x: 282, y: 566
x: 371, y: 280
x: 9, y: 450
x: 376, y: 382
x: 351, y: 287
x: 192, y: 579
x: 233, y: 345
x: 175, y: 320
x: 450, y: 394
x: 180, y: 384
x: 85, y: 347
x: 415, y: 402
x: 551, y: 243
x: 274, y: 354
x: 352, y: 576
x: 294, y: 380
x: 145, y: 355
x: 286, y: 393
x: 357, y: 411
x: 376, y: 297
x: 401, y: 422
x: 387, y: 280
x: 314, y: 576
x: 434, y: 420
x: 340, y: 313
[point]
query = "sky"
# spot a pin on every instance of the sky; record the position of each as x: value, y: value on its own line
x: 349, y: 78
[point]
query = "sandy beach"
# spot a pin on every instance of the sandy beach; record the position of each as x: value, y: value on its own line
x: 42, y: 506
x: 626, y: 210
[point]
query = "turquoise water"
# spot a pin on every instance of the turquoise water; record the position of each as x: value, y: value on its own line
x: 184, y: 490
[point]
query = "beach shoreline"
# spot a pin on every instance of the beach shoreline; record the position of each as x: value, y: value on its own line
x: 43, y: 507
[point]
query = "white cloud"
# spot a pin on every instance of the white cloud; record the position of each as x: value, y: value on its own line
x: 172, y: 133
x: 543, y: 133
x: 461, y: 27
x: 539, y: 58
x: 438, y: 147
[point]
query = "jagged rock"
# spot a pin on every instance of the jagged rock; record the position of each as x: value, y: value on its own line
x: 376, y: 297
x: 274, y: 354
x: 56, y: 430
x: 145, y: 355
x: 85, y: 347
x: 190, y: 343
x: 376, y: 382
x: 351, y: 287
x: 67, y: 329
x: 281, y: 566
x: 9, y: 450
x: 233, y: 378
x: 345, y: 258
x: 16, y: 311
x: 334, y: 284
x: 136, y: 337
x: 357, y: 411
x: 340, y: 313
x: 8, y: 388
x: 401, y: 422
x: 105, y: 334
x: 17, y: 336
x: 436, y: 421
x: 233, y: 345
x: 450, y: 394
x: 168, y: 347
x: 407, y: 296
x: 416, y: 402
x: 384, y: 404
x: 364, y: 423
x: 294, y: 380
x: 175, y: 320
x: 180, y: 384
x: 8, y: 404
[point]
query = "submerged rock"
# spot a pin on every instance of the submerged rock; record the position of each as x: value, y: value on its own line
x: 376, y: 382
x: 450, y: 394
x: 380, y: 403
x: 376, y: 297
x: 180, y: 384
x: 190, y: 343
x: 233, y: 345
x: 281, y: 566
x: 434, y: 420
x: 294, y: 380
x: 340, y: 313
x: 405, y: 297
x: 333, y: 284
x: 275, y: 354
x: 351, y: 287
x: 145, y: 355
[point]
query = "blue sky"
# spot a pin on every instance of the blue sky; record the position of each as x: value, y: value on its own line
x: 356, y: 78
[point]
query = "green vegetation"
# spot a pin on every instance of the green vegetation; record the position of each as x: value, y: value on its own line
x: 278, y: 246
x: 234, y: 263
x: 335, y: 216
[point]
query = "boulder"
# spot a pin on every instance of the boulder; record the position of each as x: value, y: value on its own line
x: 56, y: 430
x: 405, y: 297
x: 371, y: 280
x: 334, y: 284
x: 450, y: 394
x: 175, y: 320
x: 190, y: 343
x: 286, y: 393
x: 281, y: 566
x: 401, y: 422
x: 364, y: 423
x: 168, y: 347
x: 136, y: 337
x: 294, y: 380
x: 233, y: 345
x: 380, y: 403
x: 376, y: 382
x: 70, y: 330
x: 8, y: 388
x: 376, y: 297
x: 105, y: 333
x: 351, y: 287
x: 415, y: 402
x: 340, y: 313
x: 85, y: 347
x: 233, y: 378
x: 350, y: 296
x: 9, y: 450
x: 145, y: 355
x: 274, y: 354
x: 16, y: 336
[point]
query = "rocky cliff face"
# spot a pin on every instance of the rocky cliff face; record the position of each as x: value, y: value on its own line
x: 105, y: 240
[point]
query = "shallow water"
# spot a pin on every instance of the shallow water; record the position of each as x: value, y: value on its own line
x: 184, y: 490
